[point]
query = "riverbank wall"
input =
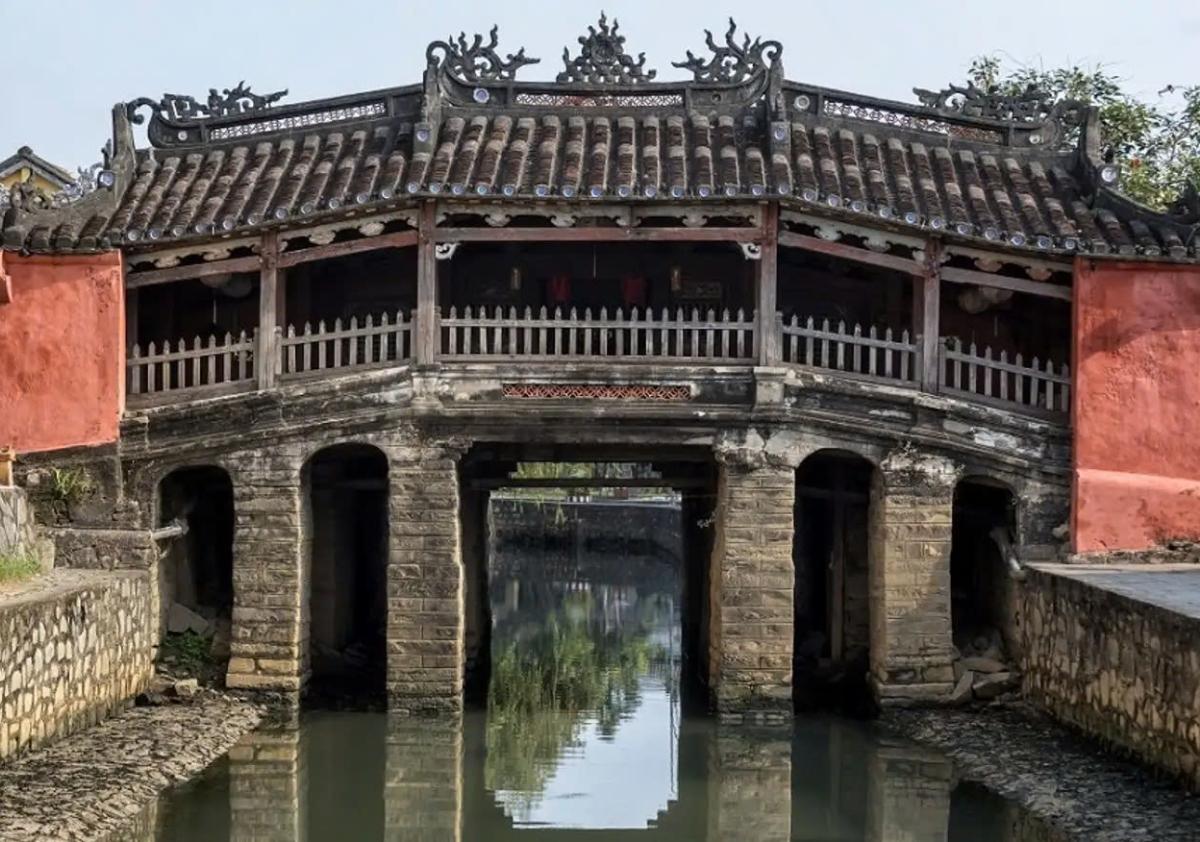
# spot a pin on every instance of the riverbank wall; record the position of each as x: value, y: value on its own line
x: 76, y: 647
x: 1113, y: 652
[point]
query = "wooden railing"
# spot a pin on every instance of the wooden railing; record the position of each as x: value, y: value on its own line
x: 997, y: 379
x: 500, y: 334
x: 217, y: 361
x: 877, y: 354
x: 712, y: 337
x: 371, y: 343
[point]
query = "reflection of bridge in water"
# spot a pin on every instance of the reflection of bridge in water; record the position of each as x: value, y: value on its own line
x: 368, y: 777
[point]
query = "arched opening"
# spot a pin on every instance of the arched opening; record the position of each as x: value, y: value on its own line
x: 830, y: 553
x: 346, y: 535
x: 196, y: 570
x: 982, y: 587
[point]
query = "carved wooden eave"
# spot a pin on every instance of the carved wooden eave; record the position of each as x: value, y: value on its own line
x: 607, y: 140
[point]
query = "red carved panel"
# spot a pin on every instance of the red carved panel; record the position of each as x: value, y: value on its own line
x: 596, y: 391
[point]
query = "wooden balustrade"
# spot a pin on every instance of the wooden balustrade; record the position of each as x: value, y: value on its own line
x: 514, y: 334
x: 371, y: 343
x: 997, y: 379
x: 211, y: 363
x: 500, y: 334
x: 875, y: 354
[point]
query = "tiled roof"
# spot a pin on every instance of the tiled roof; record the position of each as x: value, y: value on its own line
x: 711, y: 140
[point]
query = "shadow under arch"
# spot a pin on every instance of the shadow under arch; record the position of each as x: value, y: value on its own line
x: 196, y: 570
x: 345, y: 537
x: 830, y: 553
x: 982, y: 587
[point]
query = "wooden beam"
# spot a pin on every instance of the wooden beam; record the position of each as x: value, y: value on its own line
x: 269, y: 305
x: 954, y: 275
x: 133, y: 280
x: 927, y: 311
x: 396, y: 240
x: 765, y: 300
x: 791, y: 239
x: 425, y: 347
x: 595, y: 234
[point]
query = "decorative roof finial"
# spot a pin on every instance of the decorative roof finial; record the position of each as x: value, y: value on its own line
x: 476, y: 62
x: 732, y: 63
x: 1031, y: 105
x: 603, y: 60
x: 177, y: 108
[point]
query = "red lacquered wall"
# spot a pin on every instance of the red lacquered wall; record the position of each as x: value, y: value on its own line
x: 62, y: 351
x: 1136, y: 405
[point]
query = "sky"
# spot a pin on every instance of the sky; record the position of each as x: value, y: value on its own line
x: 66, y: 62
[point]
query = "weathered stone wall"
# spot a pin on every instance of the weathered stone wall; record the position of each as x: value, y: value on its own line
x: 1125, y: 671
x: 16, y: 522
x: 425, y: 634
x: 911, y: 517
x: 76, y: 647
x: 751, y: 634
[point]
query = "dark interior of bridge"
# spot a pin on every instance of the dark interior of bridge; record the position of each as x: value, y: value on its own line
x: 981, y: 589
x: 346, y: 537
x: 830, y: 552
x: 196, y: 572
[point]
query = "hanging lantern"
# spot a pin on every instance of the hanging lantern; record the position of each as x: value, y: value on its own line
x: 676, y: 279
x: 514, y: 279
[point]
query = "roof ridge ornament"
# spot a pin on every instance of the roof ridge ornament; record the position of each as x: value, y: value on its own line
x: 603, y: 60
x: 476, y: 61
x: 1031, y: 105
x: 179, y: 108
x: 732, y: 63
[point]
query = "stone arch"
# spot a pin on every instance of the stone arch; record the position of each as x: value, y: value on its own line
x: 831, y: 556
x: 983, y: 569
x: 196, y: 583
x: 344, y: 523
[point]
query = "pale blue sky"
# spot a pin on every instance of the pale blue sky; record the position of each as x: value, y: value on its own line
x: 67, y: 61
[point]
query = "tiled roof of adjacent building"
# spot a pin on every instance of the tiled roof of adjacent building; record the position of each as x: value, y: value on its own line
x: 1019, y: 171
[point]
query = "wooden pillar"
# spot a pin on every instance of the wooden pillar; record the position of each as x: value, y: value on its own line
x: 768, y: 268
x: 927, y: 296
x: 425, y: 346
x: 270, y: 304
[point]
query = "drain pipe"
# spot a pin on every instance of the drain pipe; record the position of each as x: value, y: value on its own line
x: 1000, y: 535
x: 175, y: 529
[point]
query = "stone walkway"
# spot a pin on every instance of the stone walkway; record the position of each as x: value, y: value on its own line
x: 1175, y: 587
x: 95, y: 783
x: 1061, y: 778
x: 54, y: 582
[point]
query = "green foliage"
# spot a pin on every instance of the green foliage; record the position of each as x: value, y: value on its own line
x: 187, y: 652
x: 17, y: 566
x: 1157, y: 143
x: 544, y: 687
x: 69, y: 485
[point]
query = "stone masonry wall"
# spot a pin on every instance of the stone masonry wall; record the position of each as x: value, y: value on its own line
x: 425, y: 634
x: 269, y: 646
x: 751, y: 640
x: 1119, y: 669
x: 911, y: 516
x: 76, y: 646
x: 16, y: 522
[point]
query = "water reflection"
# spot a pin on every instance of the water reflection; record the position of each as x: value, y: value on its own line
x: 583, y: 704
x: 583, y: 736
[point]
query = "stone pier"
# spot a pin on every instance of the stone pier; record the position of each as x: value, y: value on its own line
x: 425, y: 582
x: 912, y: 502
x: 751, y: 639
x: 271, y: 581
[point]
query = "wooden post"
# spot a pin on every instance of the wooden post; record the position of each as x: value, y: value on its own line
x: 425, y: 342
x: 927, y: 296
x: 270, y: 305
x: 768, y: 266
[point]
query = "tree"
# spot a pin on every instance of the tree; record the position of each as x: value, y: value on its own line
x: 1156, y: 143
